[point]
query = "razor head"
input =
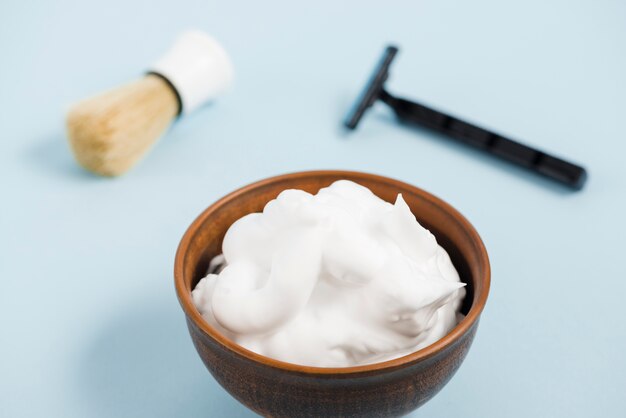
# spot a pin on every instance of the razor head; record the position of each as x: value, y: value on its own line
x: 373, y: 88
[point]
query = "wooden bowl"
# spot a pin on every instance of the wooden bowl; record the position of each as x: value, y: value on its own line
x: 278, y: 389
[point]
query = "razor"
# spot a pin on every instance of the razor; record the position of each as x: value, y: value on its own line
x: 539, y: 162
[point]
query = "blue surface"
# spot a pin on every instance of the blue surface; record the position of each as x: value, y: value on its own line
x: 89, y: 322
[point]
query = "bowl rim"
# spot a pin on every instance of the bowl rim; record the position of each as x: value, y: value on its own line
x: 457, y: 332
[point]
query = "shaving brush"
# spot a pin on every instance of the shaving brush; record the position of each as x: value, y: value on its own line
x: 111, y: 132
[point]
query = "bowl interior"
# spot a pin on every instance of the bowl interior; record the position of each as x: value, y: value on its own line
x: 454, y: 233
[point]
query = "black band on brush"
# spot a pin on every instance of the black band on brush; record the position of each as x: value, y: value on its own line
x: 169, y: 83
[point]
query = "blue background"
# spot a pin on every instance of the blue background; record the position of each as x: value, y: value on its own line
x: 89, y: 321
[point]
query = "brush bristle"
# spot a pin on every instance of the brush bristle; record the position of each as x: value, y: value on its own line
x: 111, y: 132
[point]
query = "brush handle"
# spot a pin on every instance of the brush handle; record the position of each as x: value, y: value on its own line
x: 537, y: 161
x: 197, y: 67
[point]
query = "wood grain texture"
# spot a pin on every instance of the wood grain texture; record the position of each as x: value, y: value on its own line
x: 108, y: 134
x: 278, y: 389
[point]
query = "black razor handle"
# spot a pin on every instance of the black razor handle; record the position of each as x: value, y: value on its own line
x: 564, y: 172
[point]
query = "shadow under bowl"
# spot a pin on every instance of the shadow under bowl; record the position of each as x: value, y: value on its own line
x: 278, y: 389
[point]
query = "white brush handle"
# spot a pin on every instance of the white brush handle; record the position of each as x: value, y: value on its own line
x: 198, y: 68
